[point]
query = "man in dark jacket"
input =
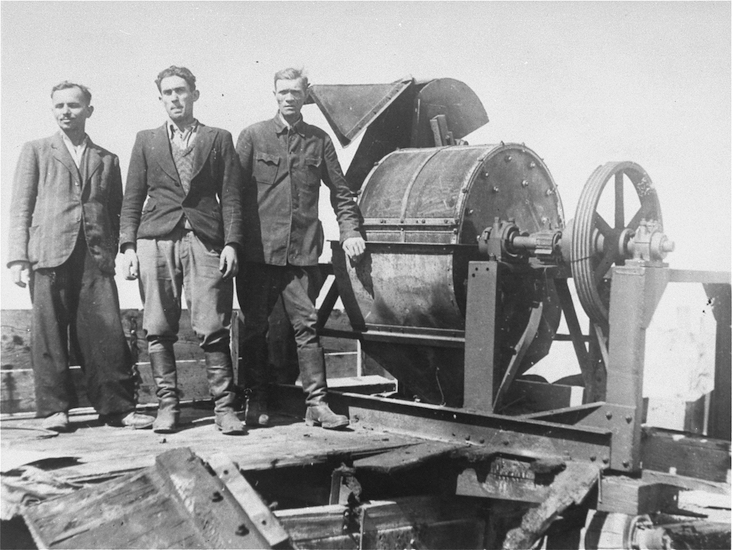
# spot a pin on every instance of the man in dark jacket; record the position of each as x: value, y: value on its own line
x: 283, y: 162
x: 181, y: 226
x: 63, y: 236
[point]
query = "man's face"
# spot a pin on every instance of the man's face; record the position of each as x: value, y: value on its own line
x: 290, y: 98
x: 70, y: 109
x: 178, y: 98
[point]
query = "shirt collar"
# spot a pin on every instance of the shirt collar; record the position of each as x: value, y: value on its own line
x: 281, y: 125
x: 172, y: 128
x: 84, y: 143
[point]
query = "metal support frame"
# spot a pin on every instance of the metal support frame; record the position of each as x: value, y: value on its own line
x: 493, y: 433
x: 480, y: 379
x: 636, y: 291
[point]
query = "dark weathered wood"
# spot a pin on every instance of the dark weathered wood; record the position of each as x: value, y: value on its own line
x: 217, y: 515
x: 569, y: 487
x: 114, y: 514
x: 310, y: 527
x: 685, y: 454
x: 684, y: 482
x: 417, y: 522
x: 19, y: 394
x: 422, y: 522
x: 476, y: 482
x: 258, y: 512
x: 103, y: 451
x: 406, y: 457
x: 635, y: 497
x: 16, y: 373
x: 177, y: 503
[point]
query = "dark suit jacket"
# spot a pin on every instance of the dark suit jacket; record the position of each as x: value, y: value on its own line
x: 213, y: 203
x: 52, y: 198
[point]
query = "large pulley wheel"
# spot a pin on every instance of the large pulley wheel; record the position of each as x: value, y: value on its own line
x: 596, y: 244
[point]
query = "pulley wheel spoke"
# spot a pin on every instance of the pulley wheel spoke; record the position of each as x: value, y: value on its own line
x: 604, y: 266
x: 635, y: 220
x: 619, y: 202
x: 602, y: 226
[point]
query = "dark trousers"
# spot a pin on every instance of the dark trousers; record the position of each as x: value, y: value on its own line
x: 258, y: 287
x: 76, y: 304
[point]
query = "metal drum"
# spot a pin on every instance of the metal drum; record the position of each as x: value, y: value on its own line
x: 423, y: 211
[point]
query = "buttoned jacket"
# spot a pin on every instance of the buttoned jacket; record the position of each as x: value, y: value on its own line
x: 282, y: 169
x: 155, y: 200
x: 53, y: 199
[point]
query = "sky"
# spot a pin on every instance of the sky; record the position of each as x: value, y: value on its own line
x: 579, y: 83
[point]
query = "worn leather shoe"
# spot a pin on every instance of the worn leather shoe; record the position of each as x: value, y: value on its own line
x: 229, y: 424
x: 321, y: 415
x: 132, y: 419
x: 57, y: 422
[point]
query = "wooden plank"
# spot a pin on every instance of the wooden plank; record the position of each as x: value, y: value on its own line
x: 313, y: 523
x: 635, y: 497
x: 216, y: 514
x: 684, y: 482
x: 368, y: 384
x: 114, y: 513
x: 406, y: 458
x: 177, y: 503
x: 260, y: 515
x: 103, y: 451
x: 685, y: 454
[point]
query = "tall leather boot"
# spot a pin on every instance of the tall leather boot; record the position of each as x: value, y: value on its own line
x: 257, y: 380
x: 166, y: 389
x: 220, y: 374
x: 312, y: 372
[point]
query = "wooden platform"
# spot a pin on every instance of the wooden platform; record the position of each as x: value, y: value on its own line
x: 93, y: 451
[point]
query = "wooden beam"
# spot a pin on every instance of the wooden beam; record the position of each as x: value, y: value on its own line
x: 635, y: 497
x: 406, y: 458
x: 257, y: 511
x: 570, y: 487
x: 685, y: 454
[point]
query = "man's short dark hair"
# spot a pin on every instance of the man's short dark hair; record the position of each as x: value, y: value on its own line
x: 292, y: 74
x: 67, y: 84
x: 182, y: 72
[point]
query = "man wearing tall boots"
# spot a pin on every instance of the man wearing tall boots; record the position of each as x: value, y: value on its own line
x: 181, y: 227
x: 63, y: 239
x: 283, y: 161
